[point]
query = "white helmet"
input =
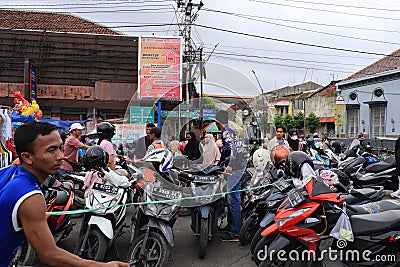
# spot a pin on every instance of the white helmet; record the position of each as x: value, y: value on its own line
x: 261, y: 159
x: 161, y: 158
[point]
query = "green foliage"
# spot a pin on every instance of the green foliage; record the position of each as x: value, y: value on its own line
x: 278, y: 120
x: 208, y: 102
x: 312, y: 122
x: 288, y: 121
x: 298, y: 120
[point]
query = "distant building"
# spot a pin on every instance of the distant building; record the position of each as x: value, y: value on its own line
x: 371, y: 98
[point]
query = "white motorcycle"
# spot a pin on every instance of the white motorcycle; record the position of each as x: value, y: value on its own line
x: 106, y: 194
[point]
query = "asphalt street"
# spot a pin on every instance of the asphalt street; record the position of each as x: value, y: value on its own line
x: 185, y: 252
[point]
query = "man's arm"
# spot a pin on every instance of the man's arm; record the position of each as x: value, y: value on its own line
x: 31, y: 213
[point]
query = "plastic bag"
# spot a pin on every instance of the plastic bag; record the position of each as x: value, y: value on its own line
x: 342, y: 229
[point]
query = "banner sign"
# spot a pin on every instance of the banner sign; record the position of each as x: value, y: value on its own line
x: 127, y: 133
x: 340, y: 114
x: 141, y: 114
x: 30, y: 79
x: 160, y: 67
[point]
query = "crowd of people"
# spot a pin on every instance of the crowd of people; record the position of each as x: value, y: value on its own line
x: 43, y: 152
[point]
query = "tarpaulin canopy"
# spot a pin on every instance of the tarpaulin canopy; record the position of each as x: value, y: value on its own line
x: 217, y: 127
x: 62, y: 124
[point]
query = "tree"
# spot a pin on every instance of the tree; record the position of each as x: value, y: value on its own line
x: 278, y: 120
x: 298, y: 120
x: 288, y: 121
x: 312, y: 122
x: 209, y: 103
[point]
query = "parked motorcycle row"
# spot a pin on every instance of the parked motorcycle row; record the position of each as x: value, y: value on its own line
x: 281, y: 218
x: 276, y: 216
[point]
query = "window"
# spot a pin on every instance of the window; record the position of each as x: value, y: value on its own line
x: 352, y: 122
x: 378, y: 119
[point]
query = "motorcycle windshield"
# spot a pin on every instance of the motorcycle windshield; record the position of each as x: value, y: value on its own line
x: 354, y: 143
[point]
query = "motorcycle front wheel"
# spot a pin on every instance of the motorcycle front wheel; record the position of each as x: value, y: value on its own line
x: 95, y: 247
x: 28, y: 255
x: 248, y: 230
x: 155, y: 254
x: 203, y: 237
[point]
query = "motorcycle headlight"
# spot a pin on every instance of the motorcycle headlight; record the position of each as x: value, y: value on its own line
x: 291, y: 216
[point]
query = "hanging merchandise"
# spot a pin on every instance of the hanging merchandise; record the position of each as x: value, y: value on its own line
x: 24, y: 111
x: 5, y: 124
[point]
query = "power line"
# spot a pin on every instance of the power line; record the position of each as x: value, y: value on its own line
x: 286, y: 65
x: 291, y: 42
x: 324, y: 10
x: 250, y: 17
x: 285, y: 51
x: 337, y: 5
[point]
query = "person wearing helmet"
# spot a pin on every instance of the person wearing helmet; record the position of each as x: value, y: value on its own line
x: 278, y: 140
x: 71, y: 146
x: 300, y: 167
x: 106, y: 131
x: 22, y: 204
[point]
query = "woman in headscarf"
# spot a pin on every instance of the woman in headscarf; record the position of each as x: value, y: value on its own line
x: 192, y: 147
x: 211, y: 154
x: 293, y: 140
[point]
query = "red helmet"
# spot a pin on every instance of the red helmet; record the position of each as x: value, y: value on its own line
x: 279, y: 154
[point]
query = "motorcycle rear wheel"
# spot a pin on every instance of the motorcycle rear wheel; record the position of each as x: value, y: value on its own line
x: 249, y: 228
x: 156, y: 253
x: 203, y: 238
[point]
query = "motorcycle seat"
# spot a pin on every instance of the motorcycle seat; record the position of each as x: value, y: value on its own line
x: 353, y: 199
x: 375, y: 207
x: 62, y: 198
x: 382, y: 166
x: 205, y: 169
x: 374, y: 223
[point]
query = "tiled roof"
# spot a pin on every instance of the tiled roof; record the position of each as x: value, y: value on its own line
x: 29, y: 20
x: 386, y: 63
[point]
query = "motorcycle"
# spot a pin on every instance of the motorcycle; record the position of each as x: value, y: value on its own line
x: 305, y: 219
x: 152, y: 223
x: 206, y: 181
x: 107, y: 194
x: 59, y: 196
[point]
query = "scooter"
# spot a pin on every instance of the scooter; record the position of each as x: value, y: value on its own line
x: 377, y: 174
x: 305, y: 219
x: 206, y: 181
x: 106, y: 195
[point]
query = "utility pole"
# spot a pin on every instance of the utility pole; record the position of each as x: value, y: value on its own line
x: 190, y: 15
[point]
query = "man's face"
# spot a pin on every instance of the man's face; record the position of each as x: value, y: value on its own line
x: 148, y: 132
x: 77, y: 132
x: 279, y: 133
x: 151, y: 136
x: 47, y: 154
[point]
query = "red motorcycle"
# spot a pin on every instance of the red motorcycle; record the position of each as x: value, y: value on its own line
x: 59, y: 197
x: 305, y: 220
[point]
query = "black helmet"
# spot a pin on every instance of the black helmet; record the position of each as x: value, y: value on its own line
x: 95, y: 156
x: 295, y: 161
x: 64, y: 134
x: 105, y: 130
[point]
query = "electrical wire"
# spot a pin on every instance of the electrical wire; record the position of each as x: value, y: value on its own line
x: 337, y: 5
x: 291, y: 42
x: 329, y: 11
x: 251, y: 17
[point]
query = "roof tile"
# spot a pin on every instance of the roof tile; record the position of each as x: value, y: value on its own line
x: 31, y: 20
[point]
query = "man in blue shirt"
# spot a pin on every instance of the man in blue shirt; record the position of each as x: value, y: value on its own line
x: 22, y: 206
x: 235, y: 150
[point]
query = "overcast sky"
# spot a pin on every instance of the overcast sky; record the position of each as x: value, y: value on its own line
x: 282, y: 41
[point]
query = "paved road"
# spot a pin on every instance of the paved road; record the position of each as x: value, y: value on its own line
x: 185, y: 251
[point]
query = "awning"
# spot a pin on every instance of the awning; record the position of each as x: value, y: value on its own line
x: 327, y: 119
